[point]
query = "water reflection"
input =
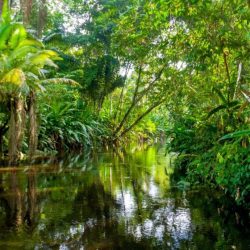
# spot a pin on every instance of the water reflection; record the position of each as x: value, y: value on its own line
x: 114, y: 200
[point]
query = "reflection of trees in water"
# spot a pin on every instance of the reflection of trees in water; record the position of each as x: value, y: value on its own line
x: 111, y: 220
x: 115, y: 201
x: 15, y: 201
x: 98, y: 207
x: 32, y: 210
x: 19, y: 199
x: 103, y: 226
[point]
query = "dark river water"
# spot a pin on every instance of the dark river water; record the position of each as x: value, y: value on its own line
x: 112, y: 200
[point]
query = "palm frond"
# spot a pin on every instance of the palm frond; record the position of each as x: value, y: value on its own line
x: 60, y: 81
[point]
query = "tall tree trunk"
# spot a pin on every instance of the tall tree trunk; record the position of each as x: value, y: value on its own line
x: 13, y: 152
x: 21, y: 122
x: 32, y: 125
x: 26, y: 8
x: 138, y: 96
x: 133, y: 103
x: 16, y: 128
x: 42, y: 16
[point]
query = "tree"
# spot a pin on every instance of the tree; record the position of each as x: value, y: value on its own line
x: 97, y: 63
x: 23, y: 59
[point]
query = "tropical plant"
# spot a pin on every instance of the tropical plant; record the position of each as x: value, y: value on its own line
x: 68, y: 124
x: 22, y: 68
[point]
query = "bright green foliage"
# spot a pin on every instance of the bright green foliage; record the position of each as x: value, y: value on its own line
x: 207, y: 160
x: 228, y: 166
x: 23, y: 60
x: 101, y: 77
x: 209, y: 126
x: 68, y: 123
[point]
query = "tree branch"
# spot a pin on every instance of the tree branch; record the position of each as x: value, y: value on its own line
x: 132, y: 104
x: 141, y: 94
x: 141, y: 117
x: 238, y: 80
x: 228, y: 76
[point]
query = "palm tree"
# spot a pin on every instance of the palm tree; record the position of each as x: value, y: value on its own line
x: 23, y: 60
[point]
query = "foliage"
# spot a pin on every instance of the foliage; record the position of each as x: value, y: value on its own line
x: 209, y: 117
x: 23, y: 61
x: 206, y: 157
x: 68, y: 123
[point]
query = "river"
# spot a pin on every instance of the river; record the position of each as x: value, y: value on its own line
x: 112, y: 200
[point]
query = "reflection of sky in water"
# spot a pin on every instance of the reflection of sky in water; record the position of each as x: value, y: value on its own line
x: 128, y: 206
x: 177, y: 221
x: 65, y: 247
x: 148, y: 229
x: 153, y: 190
x: 166, y: 220
x: 74, y: 230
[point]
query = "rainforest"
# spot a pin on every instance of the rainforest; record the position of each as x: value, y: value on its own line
x: 124, y: 124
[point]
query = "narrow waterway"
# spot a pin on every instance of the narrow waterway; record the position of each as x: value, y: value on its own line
x: 112, y: 200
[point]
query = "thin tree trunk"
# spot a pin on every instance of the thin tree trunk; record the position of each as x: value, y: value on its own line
x: 119, y: 106
x: 134, y: 102
x: 228, y: 76
x: 120, y: 103
x: 32, y: 125
x: 238, y: 81
x: 11, y: 2
x: 140, y: 118
x: 138, y: 96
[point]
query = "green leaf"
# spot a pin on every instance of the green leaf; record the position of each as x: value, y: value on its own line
x: 217, y: 109
x: 5, y: 32
x: 18, y: 34
x: 5, y: 12
x: 236, y: 134
x: 219, y: 93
